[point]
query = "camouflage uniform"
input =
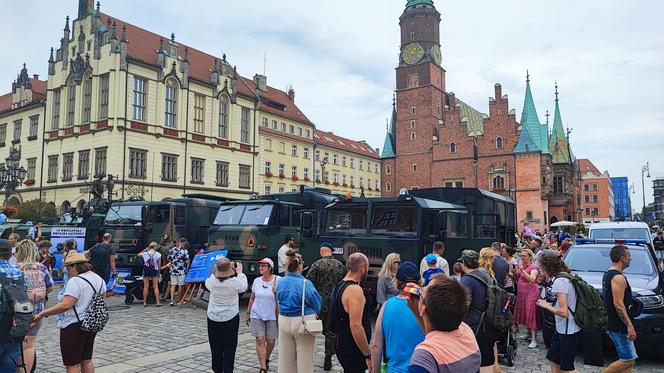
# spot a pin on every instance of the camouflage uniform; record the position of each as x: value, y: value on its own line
x: 325, y: 273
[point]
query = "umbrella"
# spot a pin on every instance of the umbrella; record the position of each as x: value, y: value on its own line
x: 564, y: 223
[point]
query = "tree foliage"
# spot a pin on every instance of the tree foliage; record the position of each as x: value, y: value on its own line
x: 36, y: 211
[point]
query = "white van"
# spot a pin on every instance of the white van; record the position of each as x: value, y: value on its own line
x: 627, y: 230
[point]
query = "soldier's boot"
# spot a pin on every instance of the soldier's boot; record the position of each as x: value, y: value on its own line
x: 327, y: 364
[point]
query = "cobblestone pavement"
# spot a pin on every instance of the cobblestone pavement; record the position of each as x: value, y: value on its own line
x: 168, y: 339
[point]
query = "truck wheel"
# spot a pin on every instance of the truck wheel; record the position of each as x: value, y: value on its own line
x: 129, y: 299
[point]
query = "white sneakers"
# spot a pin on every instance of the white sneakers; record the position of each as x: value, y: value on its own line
x: 532, y: 344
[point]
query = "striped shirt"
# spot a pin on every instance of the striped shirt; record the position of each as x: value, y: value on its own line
x: 447, y: 352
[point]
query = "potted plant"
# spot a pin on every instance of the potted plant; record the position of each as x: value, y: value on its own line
x: 295, y: 178
x: 29, y: 182
x: 268, y: 174
x: 307, y: 179
x: 281, y: 176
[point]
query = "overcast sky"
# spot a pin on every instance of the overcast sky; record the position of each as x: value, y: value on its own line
x: 607, y: 56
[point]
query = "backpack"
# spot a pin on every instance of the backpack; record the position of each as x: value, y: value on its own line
x: 14, y: 301
x: 96, y: 316
x: 590, y: 313
x: 498, y: 314
x: 148, y: 267
x: 334, y: 313
x: 34, y: 278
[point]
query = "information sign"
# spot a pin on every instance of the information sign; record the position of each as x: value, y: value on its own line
x: 202, y: 266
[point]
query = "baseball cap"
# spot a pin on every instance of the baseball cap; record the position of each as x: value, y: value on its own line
x: 469, y: 256
x: 326, y: 244
x: 267, y: 261
x: 5, y: 246
x: 408, y: 272
x: 431, y: 259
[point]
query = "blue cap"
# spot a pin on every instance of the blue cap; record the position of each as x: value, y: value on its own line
x: 408, y: 272
x: 431, y: 258
x: 326, y: 244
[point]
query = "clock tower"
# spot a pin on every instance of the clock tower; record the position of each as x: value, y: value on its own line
x: 420, y: 91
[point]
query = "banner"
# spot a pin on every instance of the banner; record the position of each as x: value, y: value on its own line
x: 60, y: 235
x: 202, y: 266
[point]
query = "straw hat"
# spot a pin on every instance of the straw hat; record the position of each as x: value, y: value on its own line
x: 224, y: 268
x: 75, y: 258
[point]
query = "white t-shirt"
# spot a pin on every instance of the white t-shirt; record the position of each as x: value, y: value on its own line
x: 565, y: 325
x: 264, y: 299
x: 281, y: 257
x: 83, y: 292
x: 441, y: 263
x: 224, y: 299
x: 155, y: 255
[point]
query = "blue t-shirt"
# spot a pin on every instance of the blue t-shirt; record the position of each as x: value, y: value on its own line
x: 3, y: 218
x: 401, y: 334
x: 430, y: 273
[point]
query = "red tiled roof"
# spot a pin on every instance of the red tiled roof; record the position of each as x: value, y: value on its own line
x: 6, y: 101
x: 38, y: 86
x: 38, y: 92
x: 143, y: 46
x: 342, y: 143
x: 585, y: 166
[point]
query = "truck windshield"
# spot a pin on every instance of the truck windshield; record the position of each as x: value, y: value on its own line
x: 621, y: 233
x: 347, y: 219
x: 399, y: 220
x: 594, y: 259
x: 253, y: 214
x: 125, y: 214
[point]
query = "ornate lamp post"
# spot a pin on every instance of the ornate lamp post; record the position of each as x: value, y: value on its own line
x: 12, y: 174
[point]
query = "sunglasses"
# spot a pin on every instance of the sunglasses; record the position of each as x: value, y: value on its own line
x: 397, y: 261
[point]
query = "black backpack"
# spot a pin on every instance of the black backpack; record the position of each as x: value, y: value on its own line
x: 16, y: 305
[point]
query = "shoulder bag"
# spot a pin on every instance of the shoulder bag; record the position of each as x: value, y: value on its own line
x: 311, y: 327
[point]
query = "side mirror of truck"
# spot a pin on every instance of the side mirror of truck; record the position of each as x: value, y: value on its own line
x: 307, y: 224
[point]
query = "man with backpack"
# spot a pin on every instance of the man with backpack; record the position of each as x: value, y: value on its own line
x: 102, y: 258
x: 10, y: 342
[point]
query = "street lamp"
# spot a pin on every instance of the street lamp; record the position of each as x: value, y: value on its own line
x: 11, y: 173
x: 644, y: 169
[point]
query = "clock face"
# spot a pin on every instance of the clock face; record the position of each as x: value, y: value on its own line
x: 435, y: 54
x: 412, y: 53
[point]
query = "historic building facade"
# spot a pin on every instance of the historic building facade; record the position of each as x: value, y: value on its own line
x: 435, y: 139
x: 597, y: 203
x: 161, y: 117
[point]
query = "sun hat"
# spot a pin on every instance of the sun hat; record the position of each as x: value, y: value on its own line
x: 223, y: 268
x: 267, y: 261
x: 75, y: 258
x: 408, y: 272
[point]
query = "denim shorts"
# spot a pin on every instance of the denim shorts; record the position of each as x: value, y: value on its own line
x: 624, y: 347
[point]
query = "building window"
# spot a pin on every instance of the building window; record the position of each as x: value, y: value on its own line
x: 326, y: 157
x: 413, y: 110
x: 414, y: 167
x: 307, y: 133
x: 197, y: 168
x: 594, y: 187
x: 499, y: 143
x: 245, y: 176
x: 335, y: 178
x: 413, y: 135
x: 83, y: 164
x: 87, y: 100
x: 377, y: 184
x: 412, y: 124
x: 361, y: 164
x: 34, y: 127
x: 587, y: 211
x: 458, y: 184
x: 352, y: 181
x: 137, y: 163
x: 171, y: 103
x: 291, y: 129
x: 343, y: 179
x: 283, y: 126
x: 223, y: 117
x: 368, y: 166
x: 294, y: 150
x: 306, y: 173
x: 586, y: 198
x: 317, y: 155
x: 139, y: 98
x: 558, y: 184
x: 3, y: 134
x: 67, y: 166
x: 222, y: 174
x: 335, y: 158
x: 529, y: 215
x: 268, y: 168
x: 275, y: 125
x: 299, y: 131
x: 282, y: 168
x: 595, y: 211
x: 56, y: 110
x: 32, y: 168
x: 268, y: 189
x: 71, y: 103
x: 52, y: 168
x: 449, y: 184
x: 268, y: 144
x: 352, y: 163
x: 343, y: 161
x: 293, y: 171
x: 265, y: 122
x: 361, y: 182
x: 595, y: 198
x: 244, y: 125
x: 282, y: 189
x: 103, y: 96
x: 388, y: 169
x: 317, y: 175
x: 199, y: 113
x: 586, y: 188
x: 17, y: 130
x: 388, y: 186
x: 305, y: 153
x: 169, y: 167
x: 100, y: 162
x: 498, y: 183
x: 453, y: 148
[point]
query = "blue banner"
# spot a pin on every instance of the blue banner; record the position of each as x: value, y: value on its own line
x: 202, y: 266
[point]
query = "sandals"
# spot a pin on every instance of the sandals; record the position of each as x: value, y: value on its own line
x: 262, y: 370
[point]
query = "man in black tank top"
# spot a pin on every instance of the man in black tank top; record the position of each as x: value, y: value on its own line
x: 352, y: 314
x: 617, y: 300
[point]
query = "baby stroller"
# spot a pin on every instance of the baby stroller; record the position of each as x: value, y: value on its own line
x: 134, y: 290
x: 507, y: 347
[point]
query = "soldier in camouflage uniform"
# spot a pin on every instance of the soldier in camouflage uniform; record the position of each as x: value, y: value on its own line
x: 325, y: 273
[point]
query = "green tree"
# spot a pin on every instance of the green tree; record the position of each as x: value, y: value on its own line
x: 37, y: 211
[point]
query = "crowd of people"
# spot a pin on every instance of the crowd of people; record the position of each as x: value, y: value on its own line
x: 430, y: 317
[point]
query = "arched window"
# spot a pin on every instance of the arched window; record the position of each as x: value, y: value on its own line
x: 453, y: 148
x: 388, y: 186
x: 498, y: 183
x: 388, y: 169
x: 71, y: 102
x: 499, y: 143
x: 171, y: 103
x: 87, y: 98
x: 223, y: 117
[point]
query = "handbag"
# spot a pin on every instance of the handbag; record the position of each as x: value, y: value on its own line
x: 311, y: 327
x: 96, y: 315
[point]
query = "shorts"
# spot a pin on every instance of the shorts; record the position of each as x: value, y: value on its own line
x: 10, y: 356
x: 267, y: 328
x: 486, y: 338
x: 352, y: 363
x: 75, y: 344
x: 563, y: 350
x: 35, y: 329
x: 624, y: 347
x: 150, y: 272
x: 177, y: 280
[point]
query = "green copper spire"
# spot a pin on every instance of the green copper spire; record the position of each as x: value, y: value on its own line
x: 390, y: 145
x: 534, y: 135
x: 417, y: 2
x: 558, y: 130
x: 559, y: 140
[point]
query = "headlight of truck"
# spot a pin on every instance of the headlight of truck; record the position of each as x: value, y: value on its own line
x: 652, y: 301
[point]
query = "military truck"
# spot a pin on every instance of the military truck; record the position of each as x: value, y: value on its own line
x: 136, y: 222
x: 254, y: 229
